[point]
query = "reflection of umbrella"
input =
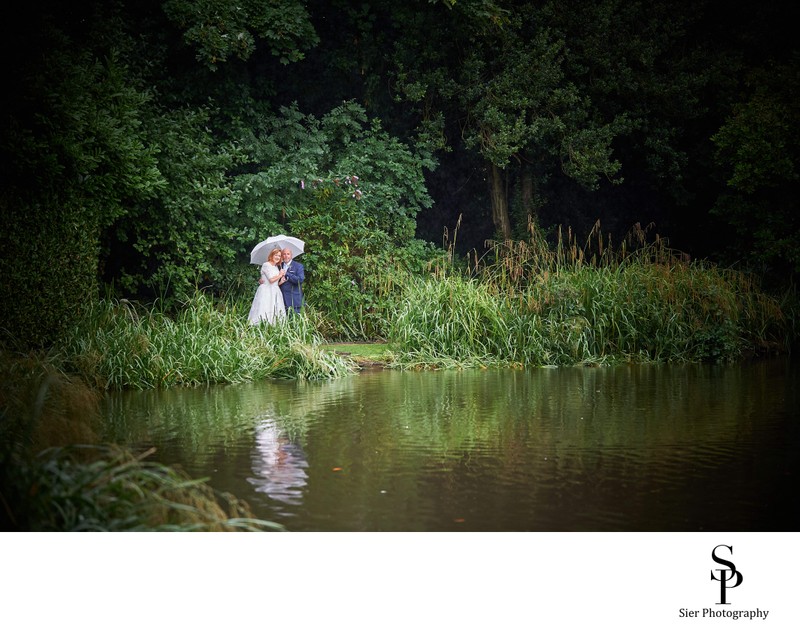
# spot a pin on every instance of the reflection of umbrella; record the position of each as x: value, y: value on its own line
x: 260, y: 252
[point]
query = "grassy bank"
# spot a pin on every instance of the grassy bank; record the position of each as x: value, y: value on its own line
x: 524, y: 304
x: 57, y: 475
x: 530, y: 305
x: 123, y: 345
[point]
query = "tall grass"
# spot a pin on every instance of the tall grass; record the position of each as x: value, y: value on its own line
x: 530, y: 304
x: 52, y: 479
x: 123, y: 345
x: 107, y: 488
x: 449, y: 322
x: 354, y: 299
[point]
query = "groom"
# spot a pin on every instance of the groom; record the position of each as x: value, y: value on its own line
x: 291, y: 283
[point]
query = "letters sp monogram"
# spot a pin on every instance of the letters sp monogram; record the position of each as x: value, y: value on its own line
x: 725, y: 575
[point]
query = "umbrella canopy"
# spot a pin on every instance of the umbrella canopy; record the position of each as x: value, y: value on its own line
x: 260, y: 252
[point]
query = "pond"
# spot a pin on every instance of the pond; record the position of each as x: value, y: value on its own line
x: 625, y: 448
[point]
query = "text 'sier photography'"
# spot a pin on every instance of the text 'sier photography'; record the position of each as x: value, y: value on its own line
x: 738, y: 589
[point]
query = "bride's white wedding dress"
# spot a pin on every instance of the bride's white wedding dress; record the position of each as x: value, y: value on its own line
x: 268, y: 302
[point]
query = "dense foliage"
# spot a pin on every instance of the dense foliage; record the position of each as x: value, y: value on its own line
x: 147, y: 146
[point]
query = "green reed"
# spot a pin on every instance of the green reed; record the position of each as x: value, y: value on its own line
x: 448, y: 322
x: 526, y: 303
x: 120, y: 345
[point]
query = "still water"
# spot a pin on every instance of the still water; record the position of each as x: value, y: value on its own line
x: 631, y: 448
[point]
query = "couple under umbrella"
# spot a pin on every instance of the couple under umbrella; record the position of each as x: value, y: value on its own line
x: 280, y: 282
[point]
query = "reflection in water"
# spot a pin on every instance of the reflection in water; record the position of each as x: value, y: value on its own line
x: 627, y: 448
x: 279, y: 464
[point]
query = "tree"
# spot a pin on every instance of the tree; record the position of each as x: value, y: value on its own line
x: 555, y: 96
x: 502, y: 73
x: 186, y: 235
x: 759, y: 149
x: 350, y: 190
x: 220, y: 29
x: 527, y: 110
x: 73, y: 156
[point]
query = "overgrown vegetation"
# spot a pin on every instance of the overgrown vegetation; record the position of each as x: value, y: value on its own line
x: 148, y: 146
x: 359, y: 234
x: 530, y: 305
x: 526, y: 303
x: 123, y: 345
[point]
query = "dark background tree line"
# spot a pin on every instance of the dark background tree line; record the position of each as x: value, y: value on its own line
x: 147, y: 146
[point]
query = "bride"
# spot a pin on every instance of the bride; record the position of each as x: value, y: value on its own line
x: 268, y: 302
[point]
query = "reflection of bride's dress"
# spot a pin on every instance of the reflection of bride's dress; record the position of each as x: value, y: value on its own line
x: 279, y: 465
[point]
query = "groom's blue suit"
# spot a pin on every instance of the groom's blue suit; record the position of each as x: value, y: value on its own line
x: 292, y: 289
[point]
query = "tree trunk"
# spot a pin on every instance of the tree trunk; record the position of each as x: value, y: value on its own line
x: 498, y: 193
x: 526, y: 193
